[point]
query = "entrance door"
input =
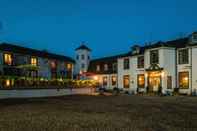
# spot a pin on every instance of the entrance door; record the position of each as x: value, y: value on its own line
x: 154, y: 81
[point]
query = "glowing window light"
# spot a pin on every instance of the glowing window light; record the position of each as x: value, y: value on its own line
x: 8, y: 59
x: 34, y: 61
x: 69, y: 66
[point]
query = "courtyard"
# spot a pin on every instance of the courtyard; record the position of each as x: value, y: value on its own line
x: 99, y: 113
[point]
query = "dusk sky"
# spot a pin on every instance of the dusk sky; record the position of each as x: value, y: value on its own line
x: 108, y: 26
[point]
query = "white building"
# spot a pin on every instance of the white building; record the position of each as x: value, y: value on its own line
x: 161, y: 67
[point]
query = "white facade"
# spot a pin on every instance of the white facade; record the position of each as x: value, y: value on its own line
x: 163, y: 76
x: 82, y: 59
x: 108, y: 84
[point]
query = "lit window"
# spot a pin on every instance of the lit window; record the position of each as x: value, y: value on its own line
x: 114, y: 79
x: 184, y: 80
x: 141, y: 81
x: 8, y: 59
x: 104, y: 81
x: 98, y: 68
x: 126, y: 82
x: 34, y: 61
x: 53, y: 64
x: 69, y: 66
x: 105, y: 67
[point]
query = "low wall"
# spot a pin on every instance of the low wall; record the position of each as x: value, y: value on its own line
x: 28, y: 93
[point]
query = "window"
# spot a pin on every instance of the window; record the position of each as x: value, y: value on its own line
x: 53, y: 65
x: 114, y: 67
x: 105, y: 81
x: 195, y: 36
x: 88, y: 57
x: 105, y: 67
x: 113, y: 79
x: 183, y: 56
x: 126, y: 64
x: 77, y: 57
x: 34, y: 61
x: 126, y: 83
x: 141, y: 81
x: 154, y: 57
x: 69, y: 66
x: 8, y: 59
x: 82, y: 57
x: 169, y: 82
x: 140, y: 62
x: 83, y: 66
x: 98, y: 68
x: 184, y: 80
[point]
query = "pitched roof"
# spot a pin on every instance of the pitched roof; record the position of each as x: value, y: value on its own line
x: 178, y: 43
x: 107, y: 58
x: 83, y: 47
x: 33, y: 52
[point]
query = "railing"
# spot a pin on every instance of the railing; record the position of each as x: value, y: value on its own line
x: 14, y: 82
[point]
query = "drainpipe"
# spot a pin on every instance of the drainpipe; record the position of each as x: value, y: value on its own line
x: 176, y: 70
x: 191, y: 69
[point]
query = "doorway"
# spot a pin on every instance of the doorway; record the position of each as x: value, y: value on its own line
x: 154, y: 81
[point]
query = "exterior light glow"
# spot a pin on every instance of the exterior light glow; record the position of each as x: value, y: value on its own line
x: 162, y: 73
x: 7, y: 83
x: 146, y: 75
x: 95, y: 78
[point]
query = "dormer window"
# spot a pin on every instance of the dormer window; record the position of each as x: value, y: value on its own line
x: 194, y: 37
x: 8, y: 59
x: 135, y: 49
x: 105, y: 67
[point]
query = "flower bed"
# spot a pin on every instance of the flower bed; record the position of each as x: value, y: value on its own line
x: 27, y: 82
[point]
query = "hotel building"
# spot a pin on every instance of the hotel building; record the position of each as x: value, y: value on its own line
x: 162, y: 67
x: 25, y: 62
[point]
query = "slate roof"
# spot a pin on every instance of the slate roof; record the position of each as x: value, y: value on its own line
x: 178, y: 43
x: 33, y: 52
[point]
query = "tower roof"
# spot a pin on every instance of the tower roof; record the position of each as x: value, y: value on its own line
x: 83, y: 47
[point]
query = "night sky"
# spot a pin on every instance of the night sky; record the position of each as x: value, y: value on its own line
x: 108, y: 26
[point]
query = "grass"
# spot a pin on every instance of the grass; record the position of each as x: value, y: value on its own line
x: 100, y: 113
